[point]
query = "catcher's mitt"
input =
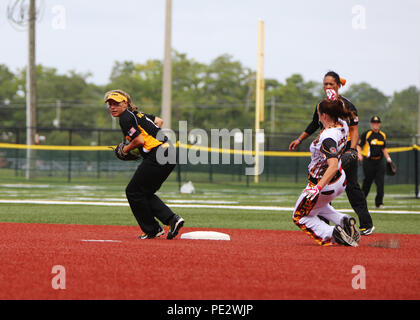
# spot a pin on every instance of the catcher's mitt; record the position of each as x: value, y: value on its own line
x: 391, y: 169
x: 348, y: 158
x: 124, y: 156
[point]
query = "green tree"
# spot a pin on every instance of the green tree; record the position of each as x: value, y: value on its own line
x: 80, y: 101
x: 226, y: 95
x: 187, y: 87
x: 143, y: 82
x: 401, y: 115
x: 295, y: 102
x: 8, y: 84
x: 368, y: 100
x: 8, y: 95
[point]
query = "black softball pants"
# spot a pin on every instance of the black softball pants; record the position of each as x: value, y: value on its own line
x: 140, y: 192
x: 374, y: 170
x: 356, y: 197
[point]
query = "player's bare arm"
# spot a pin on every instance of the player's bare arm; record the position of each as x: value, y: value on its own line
x: 159, y: 122
x: 386, y: 154
x: 294, y: 144
x: 359, y: 153
x: 329, y: 173
x: 135, y: 143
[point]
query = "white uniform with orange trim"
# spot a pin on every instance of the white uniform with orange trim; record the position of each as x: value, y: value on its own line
x: 331, y: 143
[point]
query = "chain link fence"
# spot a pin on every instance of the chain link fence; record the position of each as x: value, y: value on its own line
x: 102, y: 164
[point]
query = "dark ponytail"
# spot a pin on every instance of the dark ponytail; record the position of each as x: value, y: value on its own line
x: 335, y: 109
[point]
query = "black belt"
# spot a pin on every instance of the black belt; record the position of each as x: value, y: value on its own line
x: 334, y: 179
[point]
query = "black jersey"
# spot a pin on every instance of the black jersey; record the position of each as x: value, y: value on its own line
x: 315, y: 124
x: 372, y: 144
x: 137, y: 123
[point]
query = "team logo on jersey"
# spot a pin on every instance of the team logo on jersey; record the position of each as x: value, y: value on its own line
x: 331, y: 94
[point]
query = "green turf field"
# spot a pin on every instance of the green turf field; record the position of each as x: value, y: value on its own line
x: 398, y: 199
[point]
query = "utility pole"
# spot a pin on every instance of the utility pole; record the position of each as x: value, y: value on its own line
x: 31, y: 106
x: 22, y: 16
x: 167, y: 69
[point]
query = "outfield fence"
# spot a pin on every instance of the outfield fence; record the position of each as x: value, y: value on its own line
x: 97, y: 160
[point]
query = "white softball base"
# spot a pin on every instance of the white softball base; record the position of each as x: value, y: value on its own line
x: 205, y: 235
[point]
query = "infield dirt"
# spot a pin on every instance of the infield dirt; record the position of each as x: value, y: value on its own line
x: 254, y: 264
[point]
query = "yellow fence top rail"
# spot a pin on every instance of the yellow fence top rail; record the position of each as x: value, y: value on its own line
x: 184, y: 146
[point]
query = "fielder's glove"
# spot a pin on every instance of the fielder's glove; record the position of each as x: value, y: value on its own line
x: 312, y: 192
x: 391, y: 169
x: 119, y: 152
x: 348, y: 158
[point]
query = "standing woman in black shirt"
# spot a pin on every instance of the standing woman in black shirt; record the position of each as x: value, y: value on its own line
x: 355, y: 195
x: 372, y: 153
x: 143, y: 134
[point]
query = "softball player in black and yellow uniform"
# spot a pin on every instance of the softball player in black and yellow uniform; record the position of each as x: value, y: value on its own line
x: 356, y: 197
x: 326, y: 182
x: 373, y: 152
x: 142, y: 134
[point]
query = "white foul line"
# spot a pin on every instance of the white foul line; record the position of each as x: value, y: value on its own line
x: 194, y: 206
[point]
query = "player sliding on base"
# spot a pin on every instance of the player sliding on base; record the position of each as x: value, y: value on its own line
x: 332, y: 81
x: 327, y: 180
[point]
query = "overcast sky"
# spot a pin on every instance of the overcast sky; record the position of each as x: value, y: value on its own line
x: 376, y: 41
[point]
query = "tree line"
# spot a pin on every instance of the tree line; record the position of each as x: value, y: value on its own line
x: 220, y: 94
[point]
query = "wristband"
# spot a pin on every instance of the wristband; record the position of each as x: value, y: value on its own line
x: 300, y: 141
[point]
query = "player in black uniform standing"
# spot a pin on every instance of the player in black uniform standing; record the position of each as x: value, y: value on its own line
x: 373, y: 152
x: 142, y: 133
x: 355, y: 195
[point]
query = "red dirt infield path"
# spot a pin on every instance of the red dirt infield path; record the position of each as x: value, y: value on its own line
x: 254, y: 264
